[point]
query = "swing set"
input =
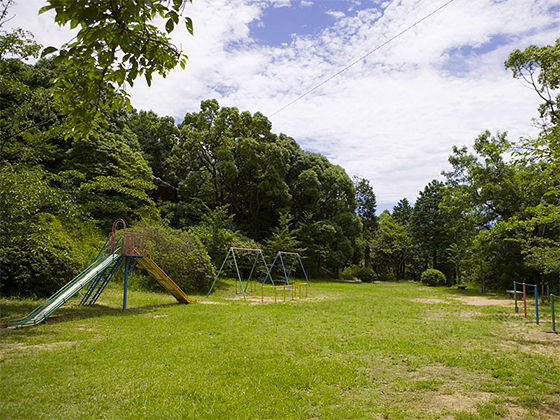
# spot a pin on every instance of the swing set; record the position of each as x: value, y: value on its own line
x: 278, y: 258
x: 240, y: 251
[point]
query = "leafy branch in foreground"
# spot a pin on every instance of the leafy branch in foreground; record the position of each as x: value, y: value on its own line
x: 116, y: 43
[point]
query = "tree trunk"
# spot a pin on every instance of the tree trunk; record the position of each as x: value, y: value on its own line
x: 367, y: 256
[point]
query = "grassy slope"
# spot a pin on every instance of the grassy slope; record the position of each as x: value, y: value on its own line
x: 348, y: 351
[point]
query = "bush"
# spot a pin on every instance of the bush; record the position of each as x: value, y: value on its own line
x: 39, y: 261
x: 182, y: 257
x: 351, y: 272
x: 366, y: 274
x: 433, y: 277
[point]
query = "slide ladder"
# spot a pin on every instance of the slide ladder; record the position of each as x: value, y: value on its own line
x: 49, y: 306
x: 97, y: 286
x: 157, y: 273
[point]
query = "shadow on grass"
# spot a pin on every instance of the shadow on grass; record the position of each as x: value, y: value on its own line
x: 455, y: 292
x: 65, y: 314
x: 14, y: 309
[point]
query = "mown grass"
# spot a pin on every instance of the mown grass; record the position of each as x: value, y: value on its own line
x: 348, y: 351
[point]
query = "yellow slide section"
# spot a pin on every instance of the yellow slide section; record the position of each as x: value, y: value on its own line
x: 157, y: 273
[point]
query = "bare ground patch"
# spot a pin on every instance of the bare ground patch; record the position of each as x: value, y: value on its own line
x: 430, y: 301
x: 531, y: 339
x: 484, y: 301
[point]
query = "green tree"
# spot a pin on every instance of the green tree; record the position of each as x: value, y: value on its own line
x: 538, y: 67
x: 429, y: 226
x: 366, y: 205
x: 283, y: 237
x: 393, y: 248
x: 484, y: 191
x: 225, y: 157
x: 538, y: 228
x: 156, y: 136
x: 402, y: 212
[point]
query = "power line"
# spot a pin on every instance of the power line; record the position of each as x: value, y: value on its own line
x: 361, y: 58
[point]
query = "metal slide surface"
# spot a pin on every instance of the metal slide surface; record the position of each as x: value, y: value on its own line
x: 66, y: 293
x: 157, y: 273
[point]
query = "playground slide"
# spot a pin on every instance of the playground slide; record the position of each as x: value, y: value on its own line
x: 157, y: 273
x: 49, y: 306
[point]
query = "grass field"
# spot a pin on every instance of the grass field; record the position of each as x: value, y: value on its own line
x: 347, y: 351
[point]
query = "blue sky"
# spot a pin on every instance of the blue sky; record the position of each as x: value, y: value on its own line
x: 277, y: 26
x: 392, y: 118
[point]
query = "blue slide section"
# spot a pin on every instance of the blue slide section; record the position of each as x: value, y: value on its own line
x: 49, y: 306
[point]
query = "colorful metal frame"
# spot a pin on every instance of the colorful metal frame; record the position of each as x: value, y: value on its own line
x: 279, y: 255
x: 515, y: 283
x: 232, y: 252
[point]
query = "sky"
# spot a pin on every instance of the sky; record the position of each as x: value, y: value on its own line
x: 392, y: 117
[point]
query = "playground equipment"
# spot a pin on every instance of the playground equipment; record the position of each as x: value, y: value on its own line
x: 279, y: 257
x: 231, y: 251
x: 129, y: 248
x: 295, y: 288
x: 552, y: 313
x: 515, y: 283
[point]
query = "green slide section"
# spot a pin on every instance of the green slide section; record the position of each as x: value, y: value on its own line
x: 49, y: 306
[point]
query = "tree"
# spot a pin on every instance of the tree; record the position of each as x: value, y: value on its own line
x: 283, y: 237
x: 115, y: 44
x: 156, y: 136
x: 25, y: 104
x: 402, y: 212
x: 366, y: 205
x: 430, y: 226
x: 538, y: 229
x: 393, y: 248
x: 538, y: 67
x: 485, y: 192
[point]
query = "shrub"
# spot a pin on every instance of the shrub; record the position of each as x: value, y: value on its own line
x: 366, y: 274
x: 433, y: 277
x: 350, y: 272
x: 181, y: 256
x: 39, y: 261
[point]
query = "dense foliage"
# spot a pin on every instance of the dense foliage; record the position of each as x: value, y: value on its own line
x: 221, y: 175
x: 222, y: 178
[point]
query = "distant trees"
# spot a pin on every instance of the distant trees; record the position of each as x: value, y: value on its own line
x: 224, y: 157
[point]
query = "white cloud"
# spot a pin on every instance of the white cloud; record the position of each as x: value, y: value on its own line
x: 392, y: 117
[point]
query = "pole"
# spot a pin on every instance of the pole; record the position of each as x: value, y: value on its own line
x: 303, y: 269
x: 125, y: 283
x: 515, y: 296
x: 552, y: 312
x: 238, y: 276
x: 219, y: 272
x: 537, y: 304
x: 525, y: 299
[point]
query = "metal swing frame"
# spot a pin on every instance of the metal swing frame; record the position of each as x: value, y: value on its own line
x: 296, y: 257
x: 231, y: 252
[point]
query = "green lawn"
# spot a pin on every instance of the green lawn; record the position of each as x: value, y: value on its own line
x: 347, y: 351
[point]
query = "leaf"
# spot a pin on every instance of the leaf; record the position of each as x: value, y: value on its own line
x: 46, y: 8
x: 47, y: 51
x: 169, y: 25
x: 189, y: 25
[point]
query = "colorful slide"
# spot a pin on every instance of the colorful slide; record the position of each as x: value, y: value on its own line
x: 157, y: 273
x: 49, y: 306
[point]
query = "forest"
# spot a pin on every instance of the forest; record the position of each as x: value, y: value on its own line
x: 220, y: 177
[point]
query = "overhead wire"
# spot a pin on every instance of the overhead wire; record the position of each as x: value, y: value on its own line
x: 361, y: 58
